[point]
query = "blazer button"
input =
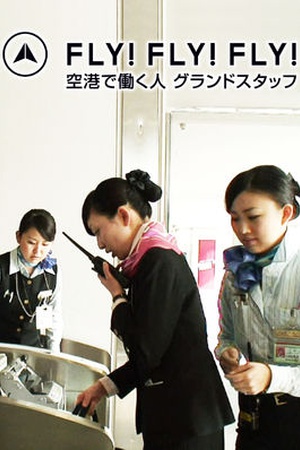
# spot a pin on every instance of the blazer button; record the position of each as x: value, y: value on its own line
x: 26, y: 302
x: 19, y: 330
x: 21, y: 317
x: 29, y: 282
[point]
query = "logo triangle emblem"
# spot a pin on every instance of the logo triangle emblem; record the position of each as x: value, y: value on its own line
x: 25, y: 53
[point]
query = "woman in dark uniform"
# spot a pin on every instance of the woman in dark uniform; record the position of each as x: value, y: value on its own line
x: 30, y: 288
x: 181, y: 402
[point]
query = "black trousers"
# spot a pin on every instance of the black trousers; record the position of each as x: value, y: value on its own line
x: 275, y: 424
x: 213, y: 441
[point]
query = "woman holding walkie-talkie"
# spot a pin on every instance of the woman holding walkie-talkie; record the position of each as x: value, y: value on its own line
x: 259, y: 340
x: 181, y: 401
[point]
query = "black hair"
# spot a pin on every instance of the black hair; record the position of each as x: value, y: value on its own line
x: 268, y: 179
x: 40, y: 219
x: 137, y: 190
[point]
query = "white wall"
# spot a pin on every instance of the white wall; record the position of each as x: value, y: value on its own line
x: 57, y: 144
x: 234, y: 21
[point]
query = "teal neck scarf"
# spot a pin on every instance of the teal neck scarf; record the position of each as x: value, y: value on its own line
x: 246, y: 266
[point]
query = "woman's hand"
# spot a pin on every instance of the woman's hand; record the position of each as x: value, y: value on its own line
x: 251, y: 378
x: 92, y: 396
x: 229, y: 359
x: 110, y: 282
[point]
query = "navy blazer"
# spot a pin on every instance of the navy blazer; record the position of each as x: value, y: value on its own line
x: 163, y: 328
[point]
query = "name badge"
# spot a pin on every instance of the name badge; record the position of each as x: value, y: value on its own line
x: 44, y: 317
x: 286, y: 347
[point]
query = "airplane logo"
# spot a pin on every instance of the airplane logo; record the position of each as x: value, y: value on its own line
x: 25, y: 54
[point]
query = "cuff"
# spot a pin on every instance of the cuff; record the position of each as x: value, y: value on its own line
x: 109, y: 386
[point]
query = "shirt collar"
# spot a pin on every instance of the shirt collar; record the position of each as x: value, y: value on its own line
x: 289, y: 245
x: 14, y: 266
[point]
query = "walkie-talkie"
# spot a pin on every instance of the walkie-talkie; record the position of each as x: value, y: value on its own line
x: 98, y: 264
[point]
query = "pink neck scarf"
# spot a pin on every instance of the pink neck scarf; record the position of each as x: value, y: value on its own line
x: 150, y: 235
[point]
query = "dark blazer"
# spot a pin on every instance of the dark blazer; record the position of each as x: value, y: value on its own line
x: 18, y: 302
x: 179, y: 391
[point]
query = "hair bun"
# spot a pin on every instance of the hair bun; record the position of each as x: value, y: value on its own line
x: 294, y: 184
x: 140, y: 180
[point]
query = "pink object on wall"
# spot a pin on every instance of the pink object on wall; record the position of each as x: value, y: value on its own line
x: 206, y: 263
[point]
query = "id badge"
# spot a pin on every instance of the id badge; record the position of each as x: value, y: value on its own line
x: 44, y: 317
x: 287, y: 347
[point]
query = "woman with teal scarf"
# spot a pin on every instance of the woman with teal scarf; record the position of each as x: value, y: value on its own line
x: 260, y: 308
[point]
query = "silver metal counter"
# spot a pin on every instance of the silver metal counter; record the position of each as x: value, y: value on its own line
x: 24, y: 426
x: 27, y: 425
x: 86, y: 351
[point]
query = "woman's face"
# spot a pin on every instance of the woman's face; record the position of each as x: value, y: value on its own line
x: 114, y: 235
x: 258, y: 221
x: 33, y: 246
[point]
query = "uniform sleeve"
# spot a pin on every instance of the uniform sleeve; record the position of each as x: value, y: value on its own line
x: 226, y: 336
x: 284, y: 378
x: 146, y: 324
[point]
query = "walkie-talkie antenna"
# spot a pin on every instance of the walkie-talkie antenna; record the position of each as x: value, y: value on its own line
x: 88, y: 254
x: 98, y: 264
